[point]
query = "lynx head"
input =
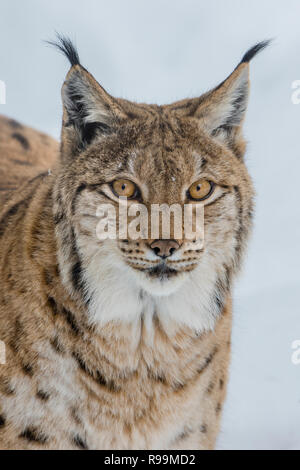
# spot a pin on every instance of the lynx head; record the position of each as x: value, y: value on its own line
x: 188, y: 152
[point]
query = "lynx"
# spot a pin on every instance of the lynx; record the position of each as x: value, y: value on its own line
x: 121, y: 343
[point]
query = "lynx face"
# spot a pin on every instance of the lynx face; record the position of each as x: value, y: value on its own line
x: 189, y: 152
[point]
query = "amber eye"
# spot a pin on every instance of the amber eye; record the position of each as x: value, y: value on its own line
x: 201, y: 190
x: 125, y: 188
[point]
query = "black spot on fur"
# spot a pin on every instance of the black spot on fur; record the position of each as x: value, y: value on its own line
x: 158, y: 377
x: 76, y: 270
x: 48, y: 277
x: 77, y: 276
x: 21, y: 162
x: 7, y: 216
x: 44, y: 396
x: 2, y: 421
x: 218, y: 408
x: 221, y: 384
x: 6, y: 388
x: 65, y: 45
x: 79, y: 442
x: 56, y: 345
x: 75, y: 416
x: 15, y: 124
x: 32, y: 434
x: 208, y: 360
x: 52, y: 305
x: 177, y: 386
x: 219, y: 301
x: 21, y: 139
x: 16, y: 337
x: 27, y: 369
x: 37, y: 177
x: 71, y: 320
x: 5, y: 220
x: 184, y: 434
x: 240, y: 228
x: 81, y: 363
x: 210, y: 387
x: 255, y: 50
x: 97, y: 376
x: 203, y: 428
x: 59, y: 217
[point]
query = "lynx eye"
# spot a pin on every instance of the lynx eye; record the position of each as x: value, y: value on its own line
x: 201, y: 190
x: 125, y: 188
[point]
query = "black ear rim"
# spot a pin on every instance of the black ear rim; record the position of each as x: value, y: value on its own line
x: 254, y: 50
x: 65, y: 45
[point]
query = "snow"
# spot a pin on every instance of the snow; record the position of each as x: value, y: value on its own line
x: 165, y: 50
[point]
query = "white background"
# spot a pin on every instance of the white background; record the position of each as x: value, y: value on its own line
x: 164, y: 50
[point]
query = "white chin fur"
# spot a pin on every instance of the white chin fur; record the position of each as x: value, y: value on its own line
x: 119, y: 293
x: 159, y: 287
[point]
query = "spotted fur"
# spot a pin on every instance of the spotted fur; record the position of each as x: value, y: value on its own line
x: 104, y: 350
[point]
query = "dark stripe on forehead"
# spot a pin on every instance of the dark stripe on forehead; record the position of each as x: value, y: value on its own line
x: 203, y: 163
x: 189, y: 105
x: 149, y: 110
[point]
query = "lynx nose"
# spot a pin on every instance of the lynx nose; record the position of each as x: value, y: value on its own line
x: 164, y: 248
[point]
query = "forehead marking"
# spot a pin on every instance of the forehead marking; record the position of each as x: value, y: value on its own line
x: 131, y: 161
x: 200, y: 163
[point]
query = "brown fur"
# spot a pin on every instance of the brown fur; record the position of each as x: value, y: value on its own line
x: 72, y: 382
x: 24, y: 154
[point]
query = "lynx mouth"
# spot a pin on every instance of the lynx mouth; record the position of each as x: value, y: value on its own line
x: 162, y: 271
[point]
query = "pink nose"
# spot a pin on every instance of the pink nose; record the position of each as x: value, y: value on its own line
x: 164, y: 248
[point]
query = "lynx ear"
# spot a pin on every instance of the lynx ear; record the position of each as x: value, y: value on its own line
x: 222, y: 110
x: 89, y: 110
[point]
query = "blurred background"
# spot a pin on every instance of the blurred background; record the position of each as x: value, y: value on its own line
x: 165, y: 50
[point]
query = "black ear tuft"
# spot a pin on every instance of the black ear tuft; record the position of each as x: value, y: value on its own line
x: 65, y: 45
x: 255, y: 50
